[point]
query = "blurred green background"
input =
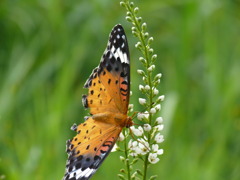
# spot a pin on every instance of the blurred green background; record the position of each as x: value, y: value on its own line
x: 48, y: 49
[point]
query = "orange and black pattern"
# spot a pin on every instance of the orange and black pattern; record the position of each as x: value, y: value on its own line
x: 108, y: 99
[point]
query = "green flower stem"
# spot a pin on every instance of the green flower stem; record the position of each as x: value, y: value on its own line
x: 147, y: 132
x: 127, y: 160
x: 145, y: 53
x: 149, y: 77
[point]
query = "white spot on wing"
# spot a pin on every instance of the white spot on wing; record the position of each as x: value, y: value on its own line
x: 112, y: 50
x: 80, y: 174
x: 86, y: 173
x: 123, y: 56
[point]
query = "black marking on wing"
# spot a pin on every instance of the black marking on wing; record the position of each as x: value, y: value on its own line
x: 85, y: 101
x: 87, y: 162
x: 115, y: 60
x: 112, y: 61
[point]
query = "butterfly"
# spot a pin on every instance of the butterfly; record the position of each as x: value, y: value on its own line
x: 108, y: 99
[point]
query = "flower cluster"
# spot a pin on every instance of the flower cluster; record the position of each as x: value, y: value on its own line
x: 141, y: 145
x: 146, y: 138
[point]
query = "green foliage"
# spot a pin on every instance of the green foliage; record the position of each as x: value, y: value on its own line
x: 49, y: 48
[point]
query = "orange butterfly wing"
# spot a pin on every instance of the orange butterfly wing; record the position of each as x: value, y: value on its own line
x: 108, y: 99
x: 87, y: 150
x: 109, y: 84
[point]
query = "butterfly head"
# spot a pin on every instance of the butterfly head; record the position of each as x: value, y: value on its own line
x: 129, y: 122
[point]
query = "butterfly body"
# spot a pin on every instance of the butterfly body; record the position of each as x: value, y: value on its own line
x: 118, y: 119
x: 108, y: 99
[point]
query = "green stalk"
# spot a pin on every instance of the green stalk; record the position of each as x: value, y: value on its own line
x: 146, y: 55
x: 127, y: 160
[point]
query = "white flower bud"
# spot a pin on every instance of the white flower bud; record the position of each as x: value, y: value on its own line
x: 142, y: 60
x: 154, y: 57
x: 159, y: 127
x: 128, y: 18
x: 144, y: 26
x: 121, y: 137
x: 153, y: 111
x: 133, y: 176
x: 141, y: 72
x: 158, y: 76
x: 151, y: 50
x: 161, y: 98
x: 151, y: 68
x: 130, y: 107
x: 147, y: 127
x: 159, y: 120
x: 147, y: 87
x: 136, y: 9
x: 142, y: 101
x: 122, y: 3
x: 141, y: 87
x: 146, y: 34
x: 158, y: 107
x: 134, y: 33
x: 138, y: 44
x: 155, y: 91
x: 146, y: 114
x: 150, y: 40
x: 140, y: 116
x: 139, y: 19
x: 122, y: 158
x: 129, y: 13
x: 138, y: 131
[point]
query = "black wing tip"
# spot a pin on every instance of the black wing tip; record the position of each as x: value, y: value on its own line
x: 118, y: 26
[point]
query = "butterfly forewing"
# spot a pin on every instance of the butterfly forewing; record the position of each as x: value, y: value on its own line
x: 109, y: 83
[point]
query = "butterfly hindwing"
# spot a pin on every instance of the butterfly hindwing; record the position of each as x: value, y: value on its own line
x: 87, y: 150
